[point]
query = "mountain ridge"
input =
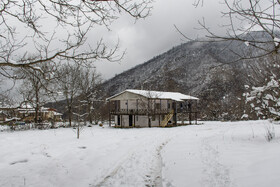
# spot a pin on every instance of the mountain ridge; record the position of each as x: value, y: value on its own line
x: 205, y: 70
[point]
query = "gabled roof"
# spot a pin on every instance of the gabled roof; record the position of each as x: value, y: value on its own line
x: 176, y: 96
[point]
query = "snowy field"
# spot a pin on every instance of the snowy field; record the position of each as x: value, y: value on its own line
x: 213, y: 154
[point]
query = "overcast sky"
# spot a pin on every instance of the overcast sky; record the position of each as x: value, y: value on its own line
x: 156, y: 34
x: 149, y: 37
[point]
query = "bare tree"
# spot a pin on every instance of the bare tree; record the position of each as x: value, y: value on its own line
x: 35, y: 87
x: 263, y: 100
x: 68, y: 83
x: 244, y: 17
x: 253, y: 29
x: 80, y: 116
x: 89, y: 84
x: 5, y: 100
x: 42, y: 31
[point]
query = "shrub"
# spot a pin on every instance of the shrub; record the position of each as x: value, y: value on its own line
x: 270, y: 132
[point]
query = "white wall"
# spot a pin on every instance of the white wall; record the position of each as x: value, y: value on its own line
x: 139, y: 121
x: 142, y: 104
x: 134, y: 101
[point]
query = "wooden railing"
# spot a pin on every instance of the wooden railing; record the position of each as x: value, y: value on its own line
x: 139, y: 112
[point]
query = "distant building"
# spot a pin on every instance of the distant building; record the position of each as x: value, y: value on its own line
x: 142, y: 108
x: 3, y: 116
x: 7, y: 112
x: 27, y: 113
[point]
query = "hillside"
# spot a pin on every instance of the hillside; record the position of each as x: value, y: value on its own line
x: 211, y: 71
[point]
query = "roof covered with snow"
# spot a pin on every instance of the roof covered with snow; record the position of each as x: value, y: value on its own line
x: 176, y: 96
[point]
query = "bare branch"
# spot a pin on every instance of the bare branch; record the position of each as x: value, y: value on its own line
x: 245, y: 17
x: 26, y: 40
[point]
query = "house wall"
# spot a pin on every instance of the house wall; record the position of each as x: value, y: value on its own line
x: 139, y: 121
x: 133, y: 101
x: 133, y: 104
x: 127, y: 96
x: 129, y: 101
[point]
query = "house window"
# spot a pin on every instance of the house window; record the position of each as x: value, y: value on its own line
x: 168, y: 105
x: 153, y: 118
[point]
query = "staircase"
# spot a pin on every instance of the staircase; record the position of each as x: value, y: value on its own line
x: 167, y: 118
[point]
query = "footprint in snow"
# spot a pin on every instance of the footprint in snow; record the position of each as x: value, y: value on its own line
x: 19, y: 161
x: 82, y: 147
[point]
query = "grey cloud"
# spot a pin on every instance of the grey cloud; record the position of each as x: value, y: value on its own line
x: 156, y: 34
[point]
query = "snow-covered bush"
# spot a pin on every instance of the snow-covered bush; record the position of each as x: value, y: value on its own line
x: 264, y: 101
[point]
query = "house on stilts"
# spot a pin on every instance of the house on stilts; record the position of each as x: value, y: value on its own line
x: 142, y: 108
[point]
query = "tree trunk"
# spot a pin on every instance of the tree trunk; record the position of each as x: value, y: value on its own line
x: 89, y: 113
x: 37, y: 105
x: 70, y: 118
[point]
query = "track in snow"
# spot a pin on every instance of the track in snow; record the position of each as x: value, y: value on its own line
x: 137, y: 169
x: 215, y: 174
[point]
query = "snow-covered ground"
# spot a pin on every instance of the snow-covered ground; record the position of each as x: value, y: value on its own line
x: 213, y: 154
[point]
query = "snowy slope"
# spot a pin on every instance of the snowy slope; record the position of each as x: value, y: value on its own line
x: 209, y: 71
x: 213, y: 154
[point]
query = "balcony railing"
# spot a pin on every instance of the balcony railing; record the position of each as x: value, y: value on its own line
x: 139, y: 111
